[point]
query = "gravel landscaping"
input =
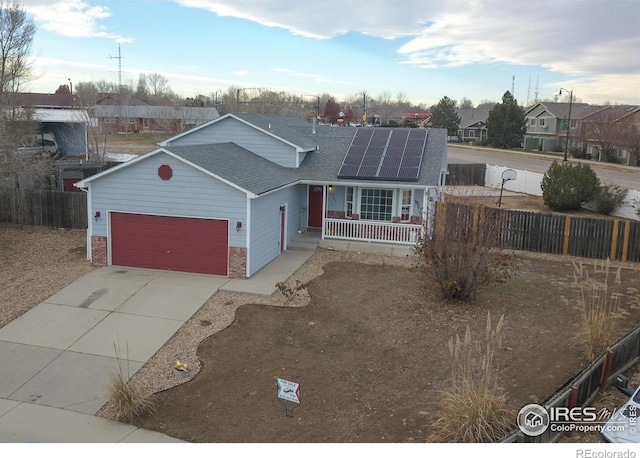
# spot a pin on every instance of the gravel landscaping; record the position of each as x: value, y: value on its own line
x: 35, y: 263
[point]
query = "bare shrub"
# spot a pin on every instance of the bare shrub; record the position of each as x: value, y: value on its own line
x: 474, y: 408
x: 458, y: 252
x: 599, y: 310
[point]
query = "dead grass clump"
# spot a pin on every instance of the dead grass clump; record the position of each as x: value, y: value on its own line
x: 474, y: 408
x: 599, y: 307
x: 126, y: 400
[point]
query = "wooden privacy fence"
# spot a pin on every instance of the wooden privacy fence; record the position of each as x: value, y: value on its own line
x: 581, y: 390
x: 550, y: 233
x: 44, y: 208
x: 466, y: 174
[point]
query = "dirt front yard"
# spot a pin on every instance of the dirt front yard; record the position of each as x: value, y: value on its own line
x: 35, y: 263
x: 370, y: 352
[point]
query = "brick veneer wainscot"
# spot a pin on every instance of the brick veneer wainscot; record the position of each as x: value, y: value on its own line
x: 98, y: 250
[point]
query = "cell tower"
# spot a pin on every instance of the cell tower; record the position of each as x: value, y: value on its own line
x: 119, y: 67
x: 513, y: 85
x: 537, y: 80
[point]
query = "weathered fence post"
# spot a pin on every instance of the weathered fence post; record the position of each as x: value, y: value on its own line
x: 573, y: 399
x: 606, y: 371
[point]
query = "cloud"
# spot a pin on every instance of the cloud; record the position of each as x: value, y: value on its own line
x: 578, y: 36
x: 242, y: 73
x: 72, y: 18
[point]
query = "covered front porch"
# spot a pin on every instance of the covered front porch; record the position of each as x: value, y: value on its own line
x: 382, y: 213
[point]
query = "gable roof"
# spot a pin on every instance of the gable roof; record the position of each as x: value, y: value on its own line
x: 237, y: 165
x: 470, y: 116
x: 560, y: 110
x: 188, y: 114
x: 284, y: 128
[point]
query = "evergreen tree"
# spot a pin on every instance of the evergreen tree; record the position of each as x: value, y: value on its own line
x: 445, y: 115
x: 506, y: 123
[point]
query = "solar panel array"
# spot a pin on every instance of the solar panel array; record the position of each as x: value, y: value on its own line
x: 385, y: 154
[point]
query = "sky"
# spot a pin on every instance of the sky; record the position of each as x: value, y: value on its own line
x: 423, y: 49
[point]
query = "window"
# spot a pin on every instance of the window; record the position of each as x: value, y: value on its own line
x: 376, y: 204
x: 405, y: 208
x: 110, y: 120
x: 472, y: 133
x: 132, y: 120
x: 533, y: 121
x: 349, y: 202
x: 541, y: 122
x: 574, y: 123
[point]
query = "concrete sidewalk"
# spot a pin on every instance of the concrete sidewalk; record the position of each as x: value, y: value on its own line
x: 58, y: 359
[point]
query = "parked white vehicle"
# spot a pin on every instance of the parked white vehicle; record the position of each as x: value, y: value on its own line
x: 46, y: 141
x: 623, y: 426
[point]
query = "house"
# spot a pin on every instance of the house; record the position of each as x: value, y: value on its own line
x: 414, y: 117
x: 547, y: 125
x: 128, y: 114
x: 473, y: 123
x: 227, y: 197
x: 616, y: 127
x: 58, y: 115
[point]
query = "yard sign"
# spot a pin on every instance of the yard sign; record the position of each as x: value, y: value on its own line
x: 289, y: 391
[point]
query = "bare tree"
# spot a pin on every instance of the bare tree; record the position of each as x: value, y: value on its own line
x: 16, y: 35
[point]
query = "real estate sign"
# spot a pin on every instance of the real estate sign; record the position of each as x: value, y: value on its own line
x: 289, y: 391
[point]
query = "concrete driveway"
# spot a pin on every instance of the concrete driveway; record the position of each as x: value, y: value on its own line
x: 63, y: 352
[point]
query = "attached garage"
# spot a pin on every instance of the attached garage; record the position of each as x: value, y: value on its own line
x: 183, y: 244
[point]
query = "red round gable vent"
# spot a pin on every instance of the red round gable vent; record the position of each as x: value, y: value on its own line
x: 165, y: 172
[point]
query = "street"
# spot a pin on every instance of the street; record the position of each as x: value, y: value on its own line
x: 625, y: 176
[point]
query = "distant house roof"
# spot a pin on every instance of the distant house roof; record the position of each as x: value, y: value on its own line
x: 189, y: 115
x: 471, y: 116
x: 414, y: 114
x: 120, y: 99
x: 560, y: 110
x: 612, y: 113
x: 40, y: 100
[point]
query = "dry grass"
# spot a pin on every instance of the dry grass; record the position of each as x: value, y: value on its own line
x: 474, y: 408
x: 127, y: 401
x: 599, y: 309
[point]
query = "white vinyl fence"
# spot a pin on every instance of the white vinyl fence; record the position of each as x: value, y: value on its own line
x: 529, y: 183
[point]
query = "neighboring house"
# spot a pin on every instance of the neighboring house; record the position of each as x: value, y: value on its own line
x: 473, y: 124
x: 617, y: 126
x: 127, y: 114
x: 227, y: 197
x: 415, y: 116
x: 57, y: 114
x: 547, y: 125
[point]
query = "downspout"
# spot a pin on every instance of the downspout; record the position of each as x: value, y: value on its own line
x: 248, y: 239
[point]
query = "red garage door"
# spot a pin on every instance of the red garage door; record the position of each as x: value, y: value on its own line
x: 170, y: 243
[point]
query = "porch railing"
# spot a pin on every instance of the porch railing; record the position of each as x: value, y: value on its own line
x: 371, y: 231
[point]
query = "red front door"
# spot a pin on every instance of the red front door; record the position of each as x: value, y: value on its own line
x: 315, y: 206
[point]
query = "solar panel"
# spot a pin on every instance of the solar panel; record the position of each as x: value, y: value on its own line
x: 384, y: 154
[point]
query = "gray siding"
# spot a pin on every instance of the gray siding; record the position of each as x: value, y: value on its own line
x: 190, y: 192
x: 265, y: 224
x: 232, y: 130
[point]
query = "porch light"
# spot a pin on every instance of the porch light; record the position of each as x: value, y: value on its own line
x: 238, y: 225
x: 97, y: 216
x: 330, y: 188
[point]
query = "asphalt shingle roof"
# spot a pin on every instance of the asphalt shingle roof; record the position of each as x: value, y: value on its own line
x: 237, y: 165
x: 285, y: 127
